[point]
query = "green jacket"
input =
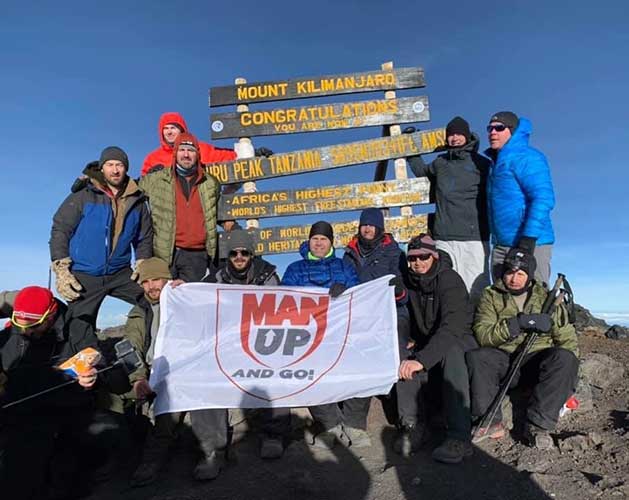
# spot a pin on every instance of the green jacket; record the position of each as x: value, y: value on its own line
x: 497, y: 306
x: 138, y: 323
x: 160, y: 188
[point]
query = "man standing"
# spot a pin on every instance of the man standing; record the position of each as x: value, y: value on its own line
x: 373, y: 254
x: 320, y: 267
x: 520, y: 194
x: 183, y: 204
x: 441, y: 318
x: 93, y: 233
x: 508, y: 310
x: 169, y: 127
x: 210, y: 426
x: 460, y: 227
x: 243, y: 267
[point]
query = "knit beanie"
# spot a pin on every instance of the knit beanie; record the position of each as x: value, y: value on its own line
x: 507, y: 118
x: 520, y: 260
x: 458, y: 126
x: 31, y: 305
x: 323, y: 228
x: 421, y: 245
x: 239, y: 238
x: 113, y: 153
x: 185, y: 138
x: 152, y: 269
x: 372, y: 217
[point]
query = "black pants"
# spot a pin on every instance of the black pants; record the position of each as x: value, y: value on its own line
x: 553, y: 373
x: 275, y: 422
x: 210, y: 427
x: 96, y: 288
x: 40, y: 451
x: 191, y: 265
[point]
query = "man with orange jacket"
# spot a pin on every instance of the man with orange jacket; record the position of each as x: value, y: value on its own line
x: 170, y: 126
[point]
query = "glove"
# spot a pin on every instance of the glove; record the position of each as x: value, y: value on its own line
x: 263, y: 152
x: 67, y: 285
x: 398, y: 283
x: 135, y: 275
x: 409, y: 130
x: 540, y: 323
x: 527, y: 244
x: 336, y: 289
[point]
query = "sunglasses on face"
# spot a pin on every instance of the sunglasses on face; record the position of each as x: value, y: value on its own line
x: 413, y: 258
x: 498, y: 128
x: 244, y: 253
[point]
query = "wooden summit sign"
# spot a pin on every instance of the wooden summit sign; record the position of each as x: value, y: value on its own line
x: 322, y: 117
x: 300, y: 88
x: 340, y: 155
x: 287, y: 239
x: 323, y: 199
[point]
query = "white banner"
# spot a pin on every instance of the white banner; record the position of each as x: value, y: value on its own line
x: 230, y: 346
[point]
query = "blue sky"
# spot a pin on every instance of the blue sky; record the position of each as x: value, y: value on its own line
x: 80, y: 76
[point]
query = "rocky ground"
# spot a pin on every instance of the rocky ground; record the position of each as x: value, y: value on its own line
x: 590, y: 459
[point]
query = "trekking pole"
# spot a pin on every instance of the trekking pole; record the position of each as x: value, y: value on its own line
x: 554, y: 298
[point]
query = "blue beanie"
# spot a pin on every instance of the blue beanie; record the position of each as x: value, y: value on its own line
x: 372, y: 217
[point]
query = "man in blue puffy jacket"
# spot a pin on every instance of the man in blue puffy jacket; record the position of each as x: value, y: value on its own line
x: 93, y: 234
x: 519, y: 193
x: 321, y: 268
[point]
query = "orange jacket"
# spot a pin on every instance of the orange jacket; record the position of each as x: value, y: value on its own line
x: 164, y: 154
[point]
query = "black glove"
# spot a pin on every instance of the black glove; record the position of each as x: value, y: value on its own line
x: 409, y: 130
x: 263, y: 152
x: 336, y: 289
x: 527, y: 244
x: 540, y: 323
x: 398, y: 283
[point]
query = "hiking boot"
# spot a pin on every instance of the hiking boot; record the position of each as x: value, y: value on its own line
x: 145, y: 474
x: 271, y: 447
x: 358, y: 437
x: 408, y: 440
x: 494, y: 431
x: 327, y: 439
x: 538, y: 438
x: 209, y: 466
x: 452, y: 451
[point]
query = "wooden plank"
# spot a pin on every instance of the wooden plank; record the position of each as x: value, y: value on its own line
x: 306, y: 87
x: 319, y: 117
x: 327, y: 157
x: 286, y: 239
x: 323, y: 199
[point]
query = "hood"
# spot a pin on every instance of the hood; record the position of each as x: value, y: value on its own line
x: 166, y: 118
x: 519, y: 139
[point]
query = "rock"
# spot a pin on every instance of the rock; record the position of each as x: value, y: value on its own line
x: 595, y: 438
x: 583, y: 394
x: 617, y: 332
x: 580, y: 442
x: 584, y: 319
x: 600, y: 370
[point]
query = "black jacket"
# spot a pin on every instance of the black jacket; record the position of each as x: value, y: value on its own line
x: 459, y: 178
x: 30, y: 366
x: 440, y: 312
x: 260, y: 273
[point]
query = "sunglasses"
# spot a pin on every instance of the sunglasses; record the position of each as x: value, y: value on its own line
x: 498, y: 128
x: 15, y: 322
x: 244, y: 253
x: 413, y: 258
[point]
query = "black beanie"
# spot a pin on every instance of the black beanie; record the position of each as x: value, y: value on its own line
x: 113, y: 153
x: 372, y: 217
x: 458, y: 126
x: 323, y: 228
x: 507, y: 118
x: 518, y: 259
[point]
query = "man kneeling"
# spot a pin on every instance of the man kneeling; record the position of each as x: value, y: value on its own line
x: 507, y: 310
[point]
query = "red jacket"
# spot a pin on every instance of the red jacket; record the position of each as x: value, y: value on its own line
x: 164, y: 154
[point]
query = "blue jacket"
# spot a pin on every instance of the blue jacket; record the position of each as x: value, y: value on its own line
x: 520, y: 192
x: 322, y: 272
x: 386, y: 258
x: 84, y: 230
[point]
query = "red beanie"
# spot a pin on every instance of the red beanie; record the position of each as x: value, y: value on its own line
x: 187, y: 139
x: 31, y: 304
